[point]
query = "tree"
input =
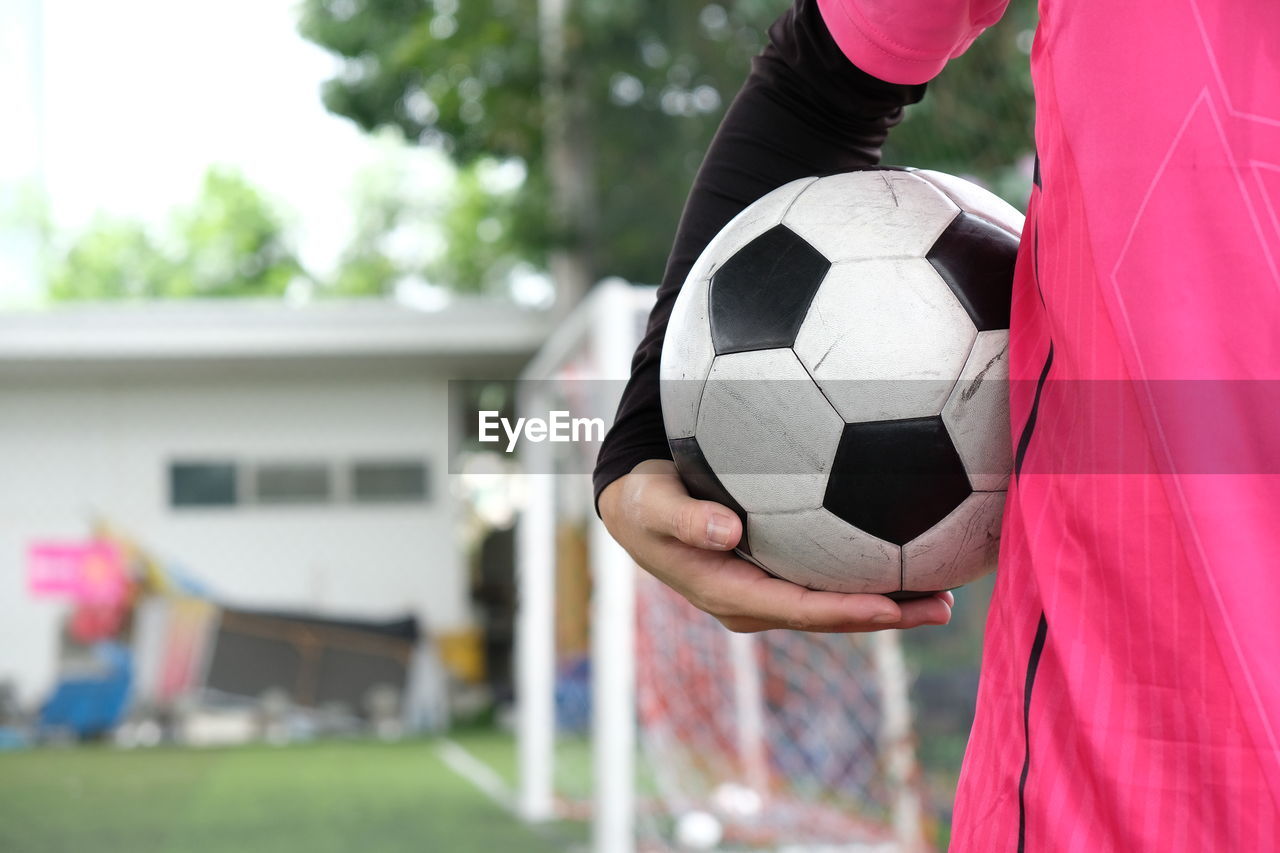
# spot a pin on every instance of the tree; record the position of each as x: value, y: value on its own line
x: 469, y: 79
x: 230, y: 243
x: 112, y: 259
x: 639, y: 92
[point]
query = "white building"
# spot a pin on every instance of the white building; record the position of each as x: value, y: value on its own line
x: 285, y: 457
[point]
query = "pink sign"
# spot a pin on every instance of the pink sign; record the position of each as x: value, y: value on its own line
x: 88, y: 572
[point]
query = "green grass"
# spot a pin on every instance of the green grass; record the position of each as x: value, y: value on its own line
x: 333, y: 797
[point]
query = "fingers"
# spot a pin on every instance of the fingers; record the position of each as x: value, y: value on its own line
x: 683, y: 542
x: 666, y: 509
x: 745, y: 598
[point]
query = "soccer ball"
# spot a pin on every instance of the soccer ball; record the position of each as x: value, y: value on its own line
x: 698, y: 830
x: 835, y: 370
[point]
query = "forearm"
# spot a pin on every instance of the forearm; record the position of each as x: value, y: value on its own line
x: 804, y: 110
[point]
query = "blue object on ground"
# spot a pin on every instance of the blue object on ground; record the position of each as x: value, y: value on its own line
x: 573, y: 695
x: 90, y: 706
x: 11, y: 738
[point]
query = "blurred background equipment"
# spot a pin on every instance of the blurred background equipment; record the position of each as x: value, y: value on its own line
x: 287, y: 676
x: 92, y: 693
x: 171, y: 665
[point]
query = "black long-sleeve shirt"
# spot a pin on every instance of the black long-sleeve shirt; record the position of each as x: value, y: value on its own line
x: 804, y: 110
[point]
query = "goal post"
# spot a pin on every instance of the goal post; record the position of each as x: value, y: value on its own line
x: 601, y: 333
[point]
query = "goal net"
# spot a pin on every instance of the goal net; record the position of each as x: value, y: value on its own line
x: 779, y: 740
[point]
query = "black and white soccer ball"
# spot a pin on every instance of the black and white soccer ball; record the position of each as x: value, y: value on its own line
x: 835, y: 370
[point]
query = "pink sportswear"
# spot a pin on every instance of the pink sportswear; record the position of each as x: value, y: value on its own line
x: 1130, y: 690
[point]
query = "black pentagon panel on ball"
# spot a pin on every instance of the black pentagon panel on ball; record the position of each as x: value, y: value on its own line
x: 975, y: 258
x: 702, y: 482
x: 760, y: 296
x: 896, y: 479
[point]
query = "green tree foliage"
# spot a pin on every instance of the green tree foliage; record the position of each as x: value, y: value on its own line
x: 112, y: 259
x: 233, y: 241
x: 480, y: 242
x: 230, y: 243
x: 385, y: 208
x: 465, y: 75
x: 413, y: 222
x: 648, y: 82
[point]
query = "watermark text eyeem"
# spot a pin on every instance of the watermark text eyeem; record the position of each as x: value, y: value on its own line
x: 558, y: 426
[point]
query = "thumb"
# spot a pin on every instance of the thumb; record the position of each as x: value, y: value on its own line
x: 665, y: 508
x: 705, y: 524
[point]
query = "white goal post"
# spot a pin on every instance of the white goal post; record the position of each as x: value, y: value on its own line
x: 606, y: 328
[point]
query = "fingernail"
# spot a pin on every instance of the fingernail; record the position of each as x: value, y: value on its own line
x: 885, y: 618
x: 718, y: 531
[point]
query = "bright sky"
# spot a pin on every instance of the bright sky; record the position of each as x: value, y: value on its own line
x: 142, y: 96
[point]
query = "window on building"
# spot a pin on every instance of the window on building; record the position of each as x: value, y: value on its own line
x: 389, y: 481
x: 194, y: 484
x: 292, y: 483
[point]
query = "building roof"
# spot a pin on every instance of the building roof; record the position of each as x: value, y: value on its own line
x: 466, y: 331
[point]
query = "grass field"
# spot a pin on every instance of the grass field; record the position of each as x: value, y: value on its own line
x: 332, y: 797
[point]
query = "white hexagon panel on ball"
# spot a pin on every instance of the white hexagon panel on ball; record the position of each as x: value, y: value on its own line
x: 974, y: 199
x: 885, y: 339
x: 816, y: 549
x: 873, y: 213
x: 959, y: 549
x: 766, y: 430
x: 977, y: 413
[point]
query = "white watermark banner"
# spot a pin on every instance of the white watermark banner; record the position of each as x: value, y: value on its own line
x: 1045, y: 426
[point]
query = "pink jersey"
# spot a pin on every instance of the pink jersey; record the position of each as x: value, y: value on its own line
x: 1129, y: 699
